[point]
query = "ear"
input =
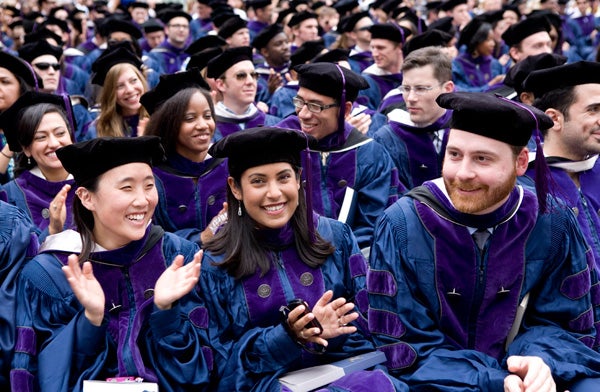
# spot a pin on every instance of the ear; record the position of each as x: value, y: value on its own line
x: 27, y: 151
x: 558, y: 119
x: 237, y: 192
x: 526, y: 97
x: 220, y: 83
x: 514, y: 53
x: 348, y: 107
x: 448, y: 86
x: 85, y: 196
x: 265, y: 53
x: 522, y: 161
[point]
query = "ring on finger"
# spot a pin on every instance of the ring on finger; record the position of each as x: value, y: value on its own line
x: 340, y: 323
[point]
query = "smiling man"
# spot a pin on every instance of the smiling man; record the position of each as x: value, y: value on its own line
x: 570, y: 95
x: 353, y: 177
x: 475, y: 285
x: 416, y: 137
x: 236, y: 79
x: 385, y: 74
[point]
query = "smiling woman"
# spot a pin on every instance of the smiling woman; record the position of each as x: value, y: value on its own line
x: 36, y: 125
x: 190, y: 183
x: 272, y: 250
x: 118, y: 71
x: 122, y: 301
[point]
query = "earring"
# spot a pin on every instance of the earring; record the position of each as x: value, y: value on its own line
x: 28, y: 160
x: 240, y: 209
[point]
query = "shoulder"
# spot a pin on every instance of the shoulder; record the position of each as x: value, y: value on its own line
x: 174, y: 245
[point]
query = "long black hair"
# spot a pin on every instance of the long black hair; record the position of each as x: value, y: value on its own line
x: 243, y: 253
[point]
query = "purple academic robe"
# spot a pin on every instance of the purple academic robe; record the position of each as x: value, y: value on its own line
x: 33, y: 195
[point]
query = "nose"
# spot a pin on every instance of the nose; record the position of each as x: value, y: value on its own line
x: 303, y: 111
x: 53, y: 141
x: 465, y: 171
x: 141, y: 197
x: 273, y: 191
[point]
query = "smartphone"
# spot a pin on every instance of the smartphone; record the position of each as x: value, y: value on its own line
x: 314, y: 323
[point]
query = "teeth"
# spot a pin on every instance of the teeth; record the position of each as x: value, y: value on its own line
x: 135, y: 217
x: 274, y: 208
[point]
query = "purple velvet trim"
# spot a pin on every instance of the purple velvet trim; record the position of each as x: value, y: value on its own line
x: 358, y: 265
x: 382, y: 282
x: 399, y: 355
x: 21, y: 380
x: 341, y: 173
x: 199, y: 317
x: 140, y: 274
x: 386, y: 323
x: 577, y: 285
x: 26, y: 341
x: 588, y: 340
x: 208, y: 357
x: 584, y: 322
x: 226, y: 127
x: 361, y: 300
x: 365, y: 380
x: 294, y: 268
x: 261, y: 309
x: 457, y: 271
x: 595, y: 293
x: 425, y: 163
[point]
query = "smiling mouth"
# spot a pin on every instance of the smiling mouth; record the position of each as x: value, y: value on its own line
x: 274, y: 208
x: 136, y: 217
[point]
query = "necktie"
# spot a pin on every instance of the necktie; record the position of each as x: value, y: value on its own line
x: 480, y: 237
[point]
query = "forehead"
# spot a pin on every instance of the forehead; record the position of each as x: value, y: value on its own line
x: 6, y: 73
x: 51, y: 120
x: 134, y: 170
x: 198, y: 100
x: 309, y: 95
x: 308, y: 23
x: 127, y: 73
x: 178, y: 20
x: 47, y: 58
x: 382, y: 43
x: 534, y: 39
x: 418, y: 73
x: 469, y: 142
x: 588, y: 93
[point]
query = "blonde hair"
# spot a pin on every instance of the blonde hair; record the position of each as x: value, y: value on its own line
x: 110, y: 120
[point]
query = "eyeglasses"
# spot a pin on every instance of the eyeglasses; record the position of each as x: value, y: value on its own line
x: 179, y: 26
x: 418, y: 90
x: 312, y: 106
x: 45, y: 66
x: 242, y: 76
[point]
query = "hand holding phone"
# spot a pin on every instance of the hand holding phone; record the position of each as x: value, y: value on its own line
x: 299, y: 336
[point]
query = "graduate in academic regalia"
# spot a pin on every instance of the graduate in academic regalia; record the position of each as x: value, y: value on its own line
x: 475, y: 282
x: 568, y: 94
x: 191, y: 184
x: 119, y: 74
x: 17, y: 78
x: 416, y: 137
x: 36, y: 126
x: 236, y: 79
x: 475, y: 69
x: 354, y: 177
x: 18, y: 244
x: 385, y: 74
x: 272, y: 250
x: 118, y: 298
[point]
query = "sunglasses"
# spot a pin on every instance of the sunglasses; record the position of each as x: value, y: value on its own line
x: 242, y: 76
x: 45, y: 66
